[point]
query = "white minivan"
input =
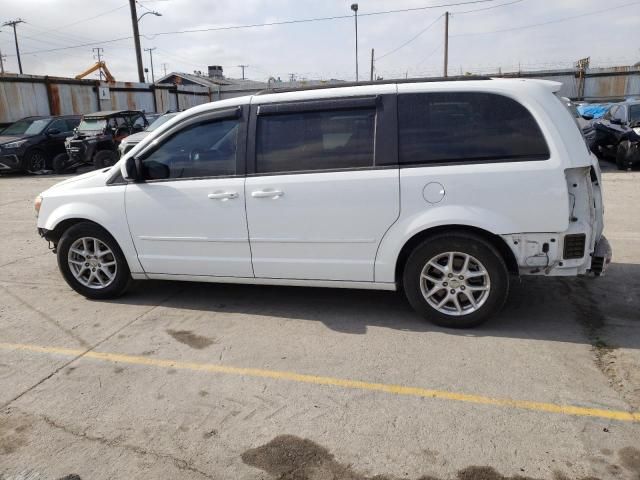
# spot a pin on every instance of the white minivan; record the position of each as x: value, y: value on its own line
x: 441, y: 189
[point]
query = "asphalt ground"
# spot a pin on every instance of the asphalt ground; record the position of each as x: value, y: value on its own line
x: 187, y: 380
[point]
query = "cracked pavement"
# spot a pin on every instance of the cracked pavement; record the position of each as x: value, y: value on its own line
x: 561, y: 341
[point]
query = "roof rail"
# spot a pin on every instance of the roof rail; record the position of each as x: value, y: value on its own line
x: 459, y: 78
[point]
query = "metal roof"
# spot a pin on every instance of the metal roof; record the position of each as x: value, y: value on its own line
x: 109, y: 113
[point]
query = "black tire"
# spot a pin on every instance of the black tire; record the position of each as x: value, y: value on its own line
x: 34, y: 161
x: 621, y: 155
x: 105, y: 158
x: 59, y: 163
x: 122, y: 276
x: 484, y: 253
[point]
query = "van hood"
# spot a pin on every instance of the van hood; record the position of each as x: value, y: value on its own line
x: 94, y: 178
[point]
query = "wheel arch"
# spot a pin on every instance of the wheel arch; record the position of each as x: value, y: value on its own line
x: 56, y: 233
x: 419, y: 237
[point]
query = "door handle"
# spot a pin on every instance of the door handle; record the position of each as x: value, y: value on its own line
x: 222, y: 195
x: 267, y: 193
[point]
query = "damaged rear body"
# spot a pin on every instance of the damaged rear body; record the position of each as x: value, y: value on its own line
x: 581, y: 247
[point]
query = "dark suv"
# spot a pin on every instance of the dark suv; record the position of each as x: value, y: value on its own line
x: 618, y: 134
x: 97, y: 138
x: 31, y: 144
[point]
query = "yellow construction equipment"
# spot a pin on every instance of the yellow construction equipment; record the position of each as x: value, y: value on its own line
x: 97, y: 66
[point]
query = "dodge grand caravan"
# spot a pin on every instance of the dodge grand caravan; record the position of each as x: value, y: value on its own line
x: 440, y: 189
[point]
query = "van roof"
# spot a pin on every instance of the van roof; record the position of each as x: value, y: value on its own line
x: 460, y: 78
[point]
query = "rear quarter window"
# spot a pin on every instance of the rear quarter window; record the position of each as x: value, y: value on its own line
x: 464, y: 127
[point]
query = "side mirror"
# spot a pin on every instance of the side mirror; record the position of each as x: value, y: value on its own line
x: 53, y: 131
x: 587, y: 116
x: 131, y: 170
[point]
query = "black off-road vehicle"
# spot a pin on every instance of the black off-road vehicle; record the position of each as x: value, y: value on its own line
x: 96, y: 139
x: 618, y: 134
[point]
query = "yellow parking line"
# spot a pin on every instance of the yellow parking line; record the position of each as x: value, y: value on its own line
x: 337, y: 382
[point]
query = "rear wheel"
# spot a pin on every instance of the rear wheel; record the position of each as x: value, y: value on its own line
x: 622, y: 154
x: 105, y: 158
x: 92, y: 263
x: 34, y: 161
x: 456, y: 280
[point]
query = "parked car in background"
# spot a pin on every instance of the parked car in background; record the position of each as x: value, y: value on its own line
x: 131, y: 141
x: 584, y: 121
x: 30, y: 144
x: 439, y: 189
x: 618, y: 134
x: 97, y: 138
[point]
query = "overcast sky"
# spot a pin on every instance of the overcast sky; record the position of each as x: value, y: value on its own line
x: 323, y: 49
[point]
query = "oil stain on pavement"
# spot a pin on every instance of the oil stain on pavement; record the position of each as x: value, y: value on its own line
x: 191, y: 339
x: 288, y: 457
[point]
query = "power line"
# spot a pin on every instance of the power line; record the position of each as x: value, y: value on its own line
x: 411, y: 39
x: 550, y: 22
x: 436, y: 20
x: 88, y: 18
x: 255, y: 25
x: 317, y: 19
x: 487, y: 8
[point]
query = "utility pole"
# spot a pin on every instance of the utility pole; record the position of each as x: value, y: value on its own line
x: 371, y: 74
x: 98, y: 55
x: 13, y: 24
x: 354, y: 7
x: 136, y: 39
x: 2, y: 57
x: 243, y: 67
x: 150, y: 50
x: 164, y: 68
x: 446, y: 43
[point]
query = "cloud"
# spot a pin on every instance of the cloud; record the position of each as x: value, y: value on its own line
x: 320, y: 49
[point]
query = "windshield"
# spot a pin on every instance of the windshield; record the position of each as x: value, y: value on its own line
x: 634, y: 114
x: 26, y: 127
x: 160, y: 120
x: 92, y: 124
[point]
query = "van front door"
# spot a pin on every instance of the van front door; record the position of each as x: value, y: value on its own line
x: 188, y: 217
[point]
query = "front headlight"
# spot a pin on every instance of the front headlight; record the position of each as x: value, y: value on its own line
x: 37, y: 203
x: 637, y: 130
x: 16, y: 144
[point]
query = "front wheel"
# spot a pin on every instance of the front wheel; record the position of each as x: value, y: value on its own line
x: 92, y: 263
x: 35, y: 161
x: 456, y: 280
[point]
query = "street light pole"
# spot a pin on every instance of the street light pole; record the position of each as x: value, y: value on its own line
x: 136, y: 39
x: 354, y: 7
x: 136, y: 35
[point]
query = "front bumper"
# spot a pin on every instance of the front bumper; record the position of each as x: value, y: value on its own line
x: 601, y: 258
x: 9, y: 162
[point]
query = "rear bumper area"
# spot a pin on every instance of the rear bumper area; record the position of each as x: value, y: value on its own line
x: 602, y: 256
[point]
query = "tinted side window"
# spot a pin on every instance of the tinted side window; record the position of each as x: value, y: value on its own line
x: 321, y: 140
x: 60, y: 125
x: 202, y: 150
x: 465, y: 126
x: 621, y: 114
